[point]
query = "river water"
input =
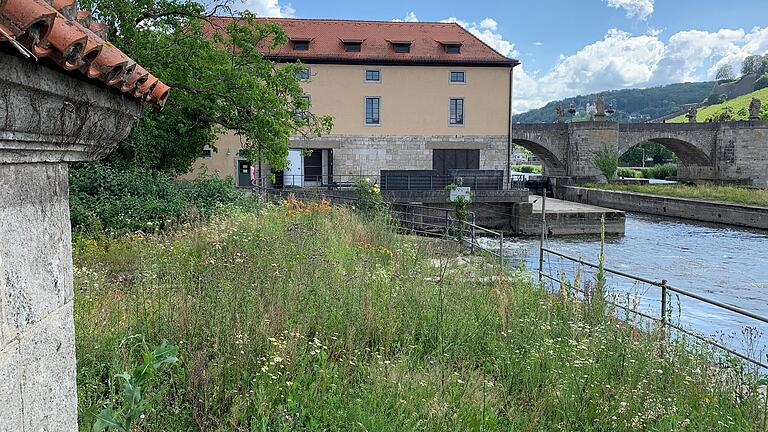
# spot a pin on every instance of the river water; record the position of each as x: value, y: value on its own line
x: 724, y: 263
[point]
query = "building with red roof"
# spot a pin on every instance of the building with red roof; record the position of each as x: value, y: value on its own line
x: 422, y: 97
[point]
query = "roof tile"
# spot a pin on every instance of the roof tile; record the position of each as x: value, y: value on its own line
x: 74, y: 41
x: 378, y: 38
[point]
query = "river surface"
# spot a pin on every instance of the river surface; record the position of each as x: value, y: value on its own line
x: 724, y: 263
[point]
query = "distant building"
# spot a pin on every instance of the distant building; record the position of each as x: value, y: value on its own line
x: 404, y: 96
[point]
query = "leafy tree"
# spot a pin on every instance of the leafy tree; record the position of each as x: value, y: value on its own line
x: 725, y: 72
x: 761, y: 82
x: 219, y: 79
x: 754, y: 64
x: 606, y: 160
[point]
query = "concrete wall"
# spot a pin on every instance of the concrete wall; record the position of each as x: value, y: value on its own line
x: 726, y: 213
x: 46, y: 120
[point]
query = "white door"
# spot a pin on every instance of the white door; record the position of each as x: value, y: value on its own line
x: 294, y: 173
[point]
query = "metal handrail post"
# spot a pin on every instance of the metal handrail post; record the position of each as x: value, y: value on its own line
x: 543, y: 231
x: 472, y: 247
x: 501, y: 251
x: 447, y: 224
x: 663, y: 308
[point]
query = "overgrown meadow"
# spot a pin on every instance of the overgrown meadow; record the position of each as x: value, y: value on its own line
x: 312, y: 317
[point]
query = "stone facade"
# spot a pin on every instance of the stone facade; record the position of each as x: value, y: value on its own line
x: 724, y: 152
x: 369, y: 154
x: 47, y: 119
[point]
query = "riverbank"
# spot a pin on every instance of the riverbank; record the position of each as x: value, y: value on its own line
x: 311, y: 317
x: 704, y: 192
x: 744, y: 215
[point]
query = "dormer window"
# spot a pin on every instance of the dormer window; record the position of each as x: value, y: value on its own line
x: 401, y: 47
x: 352, y: 45
x: 300, y: 44
x: 452, y: 47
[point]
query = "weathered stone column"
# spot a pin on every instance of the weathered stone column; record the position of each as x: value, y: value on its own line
x: 47, y: 119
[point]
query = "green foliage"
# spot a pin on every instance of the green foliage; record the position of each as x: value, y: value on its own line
x: 736, y: 109
x: 130, y: 402
x: 661, y: 172
x: 648, y: 149
x: 369, y: 197
x: 105, y: 198
x: 761, y: 82
x: 320, y: 320
x: 725, y: 73
x: 606, y: 160
x: 219, y: 80
x: 625, y: 172
x: 527, y: 169
x: 755, y: 64
x: 652, y: 102
x: 460, y: 210
x: 710, y: 192
x: 714, y: 99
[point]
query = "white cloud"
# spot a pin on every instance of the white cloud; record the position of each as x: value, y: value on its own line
x: 269, y: 8
x: 641, y: 9
x: 486, y: 31
x: 409, y: 17
x: 538, y: 43
x: 621, y: 60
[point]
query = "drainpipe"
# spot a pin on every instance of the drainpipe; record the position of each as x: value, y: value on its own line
x: 509, y: 127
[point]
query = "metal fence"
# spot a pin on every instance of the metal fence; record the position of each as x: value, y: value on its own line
x: 405, y: 180
x: 664, y: 301
x: 413, y: 219
x: 439, y: 222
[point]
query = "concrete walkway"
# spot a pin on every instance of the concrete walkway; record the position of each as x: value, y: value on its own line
x: 560, y: 206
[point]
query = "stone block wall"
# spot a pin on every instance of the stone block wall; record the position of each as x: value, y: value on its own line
x: 369, y: 154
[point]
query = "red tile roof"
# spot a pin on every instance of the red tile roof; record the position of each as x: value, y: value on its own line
x: 58, y: 30
x: 427, y: 40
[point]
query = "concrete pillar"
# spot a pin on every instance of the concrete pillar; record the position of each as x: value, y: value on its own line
x: 47, y: 119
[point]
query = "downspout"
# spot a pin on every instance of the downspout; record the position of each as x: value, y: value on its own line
x: 509, y: 128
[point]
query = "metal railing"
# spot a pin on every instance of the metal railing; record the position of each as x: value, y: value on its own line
x: 411, y: 218
x: 664, y: 298
x: 399, y: 181
x: 439, y: 222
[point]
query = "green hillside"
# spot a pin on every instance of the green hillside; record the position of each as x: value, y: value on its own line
x: 642, y: 104
x: 739, y: 108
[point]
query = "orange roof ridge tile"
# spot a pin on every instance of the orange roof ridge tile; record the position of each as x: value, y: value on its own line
x: 68, y: 36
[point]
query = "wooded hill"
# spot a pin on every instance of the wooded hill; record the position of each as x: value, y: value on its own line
x: 631, y: 105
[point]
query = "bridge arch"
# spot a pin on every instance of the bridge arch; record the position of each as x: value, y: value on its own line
x: 553, y: 166
x: 686, y: 152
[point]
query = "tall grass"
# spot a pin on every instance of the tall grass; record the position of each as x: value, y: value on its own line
x: 709, y: 192
x: 310, y: 318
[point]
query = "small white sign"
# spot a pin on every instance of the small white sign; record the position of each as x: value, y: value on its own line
x: 460, y: 191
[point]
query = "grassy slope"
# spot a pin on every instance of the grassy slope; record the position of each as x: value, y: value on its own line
x: 704, y: 192
x: 741, y: 102
x: 316, y: 320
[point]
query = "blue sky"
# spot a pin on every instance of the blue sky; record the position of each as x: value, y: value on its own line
x: 571, y: 47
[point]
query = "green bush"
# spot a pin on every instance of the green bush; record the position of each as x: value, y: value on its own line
x: 104, y: 198
x: 606, y: 160
x: 660, y: 172
x: 527, y: 169
x: 761, y: 82
x: 626, y: 172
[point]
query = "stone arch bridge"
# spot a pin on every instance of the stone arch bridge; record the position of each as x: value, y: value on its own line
x: 723, y: 152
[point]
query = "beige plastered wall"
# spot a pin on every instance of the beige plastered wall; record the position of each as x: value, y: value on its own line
x: 414, y: 103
